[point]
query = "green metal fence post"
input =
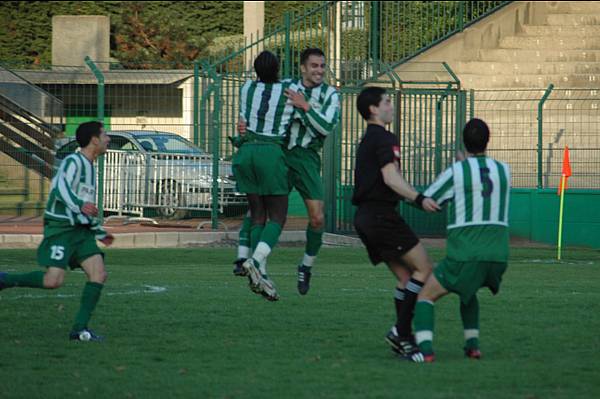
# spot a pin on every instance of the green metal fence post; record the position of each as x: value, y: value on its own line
x: 461, y: 13
x: 375, y: 33
x: 204, y: 98
x: 216, y: 136
x: 100, y: 115
x: 461, y: 115
x: 196, y: 100
x: 329, y: 177
x: 540, y: 143
x: 472, y: 104
x: 287, y: 65
x: 438, y: 132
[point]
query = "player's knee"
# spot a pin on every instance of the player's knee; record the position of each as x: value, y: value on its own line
x: 53, y: 282
x: 317, y: 221
x: 99, y: 276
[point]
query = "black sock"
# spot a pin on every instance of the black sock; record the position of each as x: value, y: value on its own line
x: 405, y: 317
x: 399, y: 302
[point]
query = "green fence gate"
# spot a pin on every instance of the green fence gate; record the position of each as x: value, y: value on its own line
x: 428, y: 122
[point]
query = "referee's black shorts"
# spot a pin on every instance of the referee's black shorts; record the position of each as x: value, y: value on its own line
x: 385, y: 234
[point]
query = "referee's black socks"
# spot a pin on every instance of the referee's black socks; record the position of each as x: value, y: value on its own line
x: 405, y: 312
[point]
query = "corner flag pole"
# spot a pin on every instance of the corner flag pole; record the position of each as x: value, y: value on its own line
x: 566, y: 172
x: 560, y: 218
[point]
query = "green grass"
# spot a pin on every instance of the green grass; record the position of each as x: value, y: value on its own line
x: 208, y: 336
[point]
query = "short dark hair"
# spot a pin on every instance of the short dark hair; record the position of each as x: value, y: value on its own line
x: 308, y: 52
x: 366, y: 98
x: 266, y: 66
x: 476, y: 135
x: 86, y: 131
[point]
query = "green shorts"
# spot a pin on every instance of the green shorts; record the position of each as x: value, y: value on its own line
x: 68, y: 249
x: 305, y: 172
x: 465, y: 278
x: 260, y: 168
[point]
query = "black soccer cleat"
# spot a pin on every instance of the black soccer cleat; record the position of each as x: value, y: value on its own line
x: 303, y: 279
x: 401, y: 345
x: 85, y: 335
x: 238, y: 270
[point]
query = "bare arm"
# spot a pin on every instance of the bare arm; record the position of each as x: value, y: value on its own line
x: 394, y: 180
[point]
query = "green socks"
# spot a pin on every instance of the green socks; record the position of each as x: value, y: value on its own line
x: 32, y: 280
x: 268, y: 240
x: 314, y: 240
x: 424, y: 326
x: 244, y: 237
x: 469, y: 314
x: 255, y: 234
x: 89, y: 299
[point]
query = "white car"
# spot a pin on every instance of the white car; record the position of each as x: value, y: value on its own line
x: 161, y: 171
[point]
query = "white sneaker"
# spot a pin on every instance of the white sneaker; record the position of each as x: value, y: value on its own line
x: 254, y: 275
x: 267, y: 289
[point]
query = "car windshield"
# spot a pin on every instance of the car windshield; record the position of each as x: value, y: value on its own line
x: 168, y: 144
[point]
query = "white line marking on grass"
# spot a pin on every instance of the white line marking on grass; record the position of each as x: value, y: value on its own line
x: 555, y: 262
x: 148, y: 289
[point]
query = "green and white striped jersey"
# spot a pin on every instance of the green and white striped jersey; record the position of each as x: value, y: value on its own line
x: 73, y: 185
x: 312, y: 127
x: 265, y: 108
x: 479, y: 188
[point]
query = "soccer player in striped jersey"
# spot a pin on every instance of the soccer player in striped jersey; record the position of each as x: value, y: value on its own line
x: 477, y: 189
x: 318, y: 107
x: 71, y: 229
x: 259, y: 165
x: 317, y: 114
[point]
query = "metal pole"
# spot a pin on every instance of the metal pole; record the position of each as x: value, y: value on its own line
x: 540, y: 133
x: 287, y: 65
x: 375, y: 36
x: 461, y: 12
x: 438, y: 133
x: 214, y: 216
x: 196, y: 107
x: 100, y: 116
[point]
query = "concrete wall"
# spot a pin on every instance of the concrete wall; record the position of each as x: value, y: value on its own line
x: 77, y: 36
x: 534, y: 215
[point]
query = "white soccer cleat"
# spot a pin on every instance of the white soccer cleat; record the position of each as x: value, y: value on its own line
x: 267, y: 289
x: 253, y: 273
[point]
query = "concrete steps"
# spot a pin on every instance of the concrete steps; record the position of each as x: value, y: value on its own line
x: 563, y: 49
x: 528, y: 68
x: 551, y: 43
x: 592, y: 18
x: 513, y: 55
x: 520, y: 80
x: 562, y: 30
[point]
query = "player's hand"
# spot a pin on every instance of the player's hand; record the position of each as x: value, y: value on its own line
x: 89, y: 209
x: 241, y: 127
x: 297, y: 99
x: 429, y: 205
x: 108, y: 240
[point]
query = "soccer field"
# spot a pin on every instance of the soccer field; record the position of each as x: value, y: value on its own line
x: 179, y: 324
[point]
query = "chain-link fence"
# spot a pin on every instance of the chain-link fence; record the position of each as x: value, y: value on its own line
x: 530, y: 129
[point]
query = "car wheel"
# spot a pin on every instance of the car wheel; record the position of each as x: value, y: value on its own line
x: 171, y: 200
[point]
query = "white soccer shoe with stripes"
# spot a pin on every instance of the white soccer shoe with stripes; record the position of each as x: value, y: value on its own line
x: 259, y: 284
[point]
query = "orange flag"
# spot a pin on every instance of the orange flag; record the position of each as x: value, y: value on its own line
x: 566, y: 171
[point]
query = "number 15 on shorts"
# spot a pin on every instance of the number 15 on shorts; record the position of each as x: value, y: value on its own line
x: 57, y: 252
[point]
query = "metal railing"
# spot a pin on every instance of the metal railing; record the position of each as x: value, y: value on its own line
x: 167, y: 185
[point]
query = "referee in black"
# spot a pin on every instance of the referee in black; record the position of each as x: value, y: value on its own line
x: 379, y: 186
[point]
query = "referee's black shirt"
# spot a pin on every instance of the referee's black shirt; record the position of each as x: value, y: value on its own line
x: 377, y: 148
